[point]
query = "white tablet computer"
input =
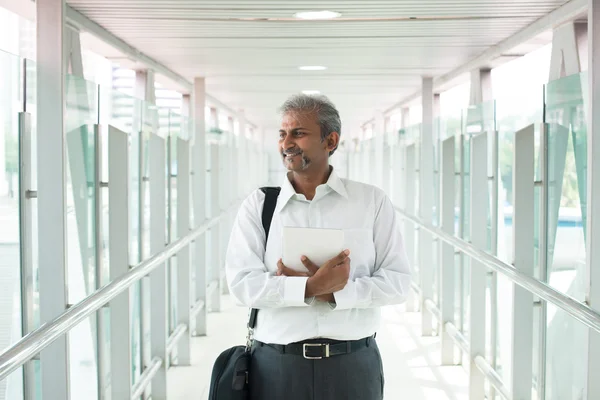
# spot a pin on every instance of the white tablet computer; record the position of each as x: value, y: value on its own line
x: 319, y: 245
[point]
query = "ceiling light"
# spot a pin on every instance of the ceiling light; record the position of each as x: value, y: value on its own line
x: 312, y: 68
x: 310, y: 92
x: 317, y: 15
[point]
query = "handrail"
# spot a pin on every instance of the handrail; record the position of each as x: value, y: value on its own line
x: 36, y: 341
x: 144, y: 381
x: 578, y: 310
x: 175, y: 337
x: 493, y: 377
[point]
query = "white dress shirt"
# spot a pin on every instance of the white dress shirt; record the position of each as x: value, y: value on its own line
x: 379, y: 269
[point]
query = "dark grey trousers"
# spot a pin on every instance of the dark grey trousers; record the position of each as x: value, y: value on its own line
x: 354, y: 376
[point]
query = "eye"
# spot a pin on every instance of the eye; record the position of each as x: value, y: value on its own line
x: 281, y: 135
x: 298, y: 134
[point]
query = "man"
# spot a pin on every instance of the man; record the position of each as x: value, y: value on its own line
x: 315, y: 333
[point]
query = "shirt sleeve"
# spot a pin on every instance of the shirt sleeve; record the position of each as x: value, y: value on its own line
x: 390, y: 281
x: 249, y: 281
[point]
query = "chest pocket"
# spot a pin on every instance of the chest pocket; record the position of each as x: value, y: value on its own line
x: 362, y: 251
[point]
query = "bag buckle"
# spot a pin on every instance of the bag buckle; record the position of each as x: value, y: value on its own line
x: 305, y: 346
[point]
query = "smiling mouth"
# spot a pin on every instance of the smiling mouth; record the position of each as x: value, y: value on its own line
x: 291, y: 155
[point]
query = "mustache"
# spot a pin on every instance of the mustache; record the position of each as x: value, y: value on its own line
x: 295, y: 150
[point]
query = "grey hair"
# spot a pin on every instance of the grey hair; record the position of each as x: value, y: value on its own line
x: 327, y: 114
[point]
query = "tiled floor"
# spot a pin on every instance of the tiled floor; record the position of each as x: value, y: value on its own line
x: 411, y: 362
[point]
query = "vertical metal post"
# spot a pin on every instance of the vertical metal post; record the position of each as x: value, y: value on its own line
x: 494, y: 179
x: 183, y: 257
x: 54, y: 360
x: 199, y: 194
x: 26, y: 239
x: 523, y: 245
x: 215, y: 262
x: 593, y: 192
x: 409, y: 237
x: 118, y: 242
x: 447, y: 252
x: 478, y: 277
x: 426, y: 206
x: 159, y: 323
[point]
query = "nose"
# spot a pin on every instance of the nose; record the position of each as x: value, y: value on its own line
x: 287, y: 143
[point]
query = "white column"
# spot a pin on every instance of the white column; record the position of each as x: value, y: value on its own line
x: 52, y: 190
x: 593, y: 192
x: 199, y: 195
x: 409, y: 206
x: 184, y: 273
x: 118, y: 228
x: 379, y: 134
x: 426, y: 205
x: 447, y: 192
x: 478, y: 276
x: 523, y: 245
x: 159, y: 321
x: 215, y: 210
x: 26, y: 204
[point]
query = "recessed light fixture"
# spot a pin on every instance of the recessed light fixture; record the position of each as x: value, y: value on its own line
x: 310, y: 92
x: 317, y: 14
x: 312, y: 68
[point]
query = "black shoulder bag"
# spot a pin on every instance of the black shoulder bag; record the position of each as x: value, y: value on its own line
x: 231, y: 370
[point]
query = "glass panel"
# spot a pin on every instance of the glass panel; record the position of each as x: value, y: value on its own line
x: 506, y: 126
x: 81, y: 114
x: 126, y: 115
x: 566, y: 356
x: 567, y: 160
x: 10, y: 242
x: 566, y: 218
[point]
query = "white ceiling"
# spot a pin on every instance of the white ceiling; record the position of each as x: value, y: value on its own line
x: 250, y: 51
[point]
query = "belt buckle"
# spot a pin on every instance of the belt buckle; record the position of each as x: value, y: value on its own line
x: 306, y: 345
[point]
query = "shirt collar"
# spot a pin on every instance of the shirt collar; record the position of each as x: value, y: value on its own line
x: 287, y: 190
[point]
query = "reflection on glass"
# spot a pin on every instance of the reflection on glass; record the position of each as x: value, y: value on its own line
x: 81, y: 114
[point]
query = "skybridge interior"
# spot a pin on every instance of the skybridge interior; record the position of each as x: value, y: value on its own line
x: 132, y: 130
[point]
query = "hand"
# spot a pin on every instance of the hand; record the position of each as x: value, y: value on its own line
x: 282, y: 270
x: 331, y: 277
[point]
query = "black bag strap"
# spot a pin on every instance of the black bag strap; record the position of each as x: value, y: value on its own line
x: 271, y: 195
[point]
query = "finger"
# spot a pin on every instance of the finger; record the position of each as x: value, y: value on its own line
x: 339, y: 258
x: 310, y: 266
x: 285, y: 271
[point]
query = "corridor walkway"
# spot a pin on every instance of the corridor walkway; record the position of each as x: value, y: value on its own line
x: 411, y: 362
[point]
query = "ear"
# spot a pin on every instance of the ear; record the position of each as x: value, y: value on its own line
x: 332, y: 141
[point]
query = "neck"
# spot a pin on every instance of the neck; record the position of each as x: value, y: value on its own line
x: 306, y: 183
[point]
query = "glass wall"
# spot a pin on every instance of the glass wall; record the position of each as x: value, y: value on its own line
x: 560, y: 158
x: 11, y: 104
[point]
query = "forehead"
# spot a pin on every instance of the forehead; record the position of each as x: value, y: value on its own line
x: 296, y: 119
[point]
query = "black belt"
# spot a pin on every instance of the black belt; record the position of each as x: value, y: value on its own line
x: 316, y: 349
